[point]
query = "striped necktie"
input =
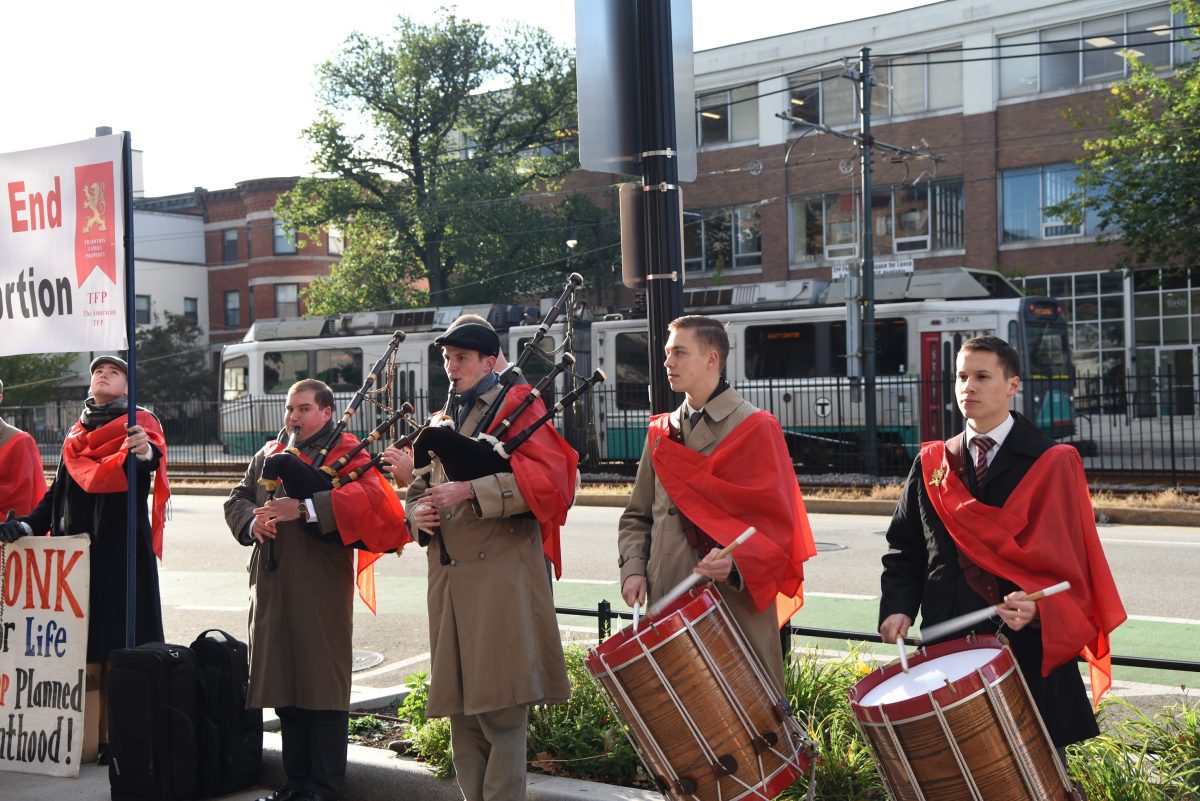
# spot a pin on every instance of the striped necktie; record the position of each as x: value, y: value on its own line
x: 982, y: 446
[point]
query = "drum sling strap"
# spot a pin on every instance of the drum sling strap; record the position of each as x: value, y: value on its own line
x: 985, y: 585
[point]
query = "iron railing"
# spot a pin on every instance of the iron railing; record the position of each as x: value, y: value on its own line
x: 1145, y: 426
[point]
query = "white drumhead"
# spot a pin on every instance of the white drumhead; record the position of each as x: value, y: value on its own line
x: 929, y: 675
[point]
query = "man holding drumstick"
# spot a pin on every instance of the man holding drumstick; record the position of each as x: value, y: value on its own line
x: 991, y: 516
x: 710, y: 469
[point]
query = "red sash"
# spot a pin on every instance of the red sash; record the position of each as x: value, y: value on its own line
x: 96, y: 461
x: 1044, y: 534
x: 22, y: 482
x: 544, y: 468
x: 366, y: 510
x: 747, y: 480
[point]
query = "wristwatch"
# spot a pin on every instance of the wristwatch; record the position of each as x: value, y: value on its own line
x: 302, y: 510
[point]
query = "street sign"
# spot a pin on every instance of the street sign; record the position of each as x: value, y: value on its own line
x: 606, y: 63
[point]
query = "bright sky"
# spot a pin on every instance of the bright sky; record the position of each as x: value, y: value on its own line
x: 218, y: 92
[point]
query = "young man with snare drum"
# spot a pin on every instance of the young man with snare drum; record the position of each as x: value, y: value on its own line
x: 710, y: 469
x: 1001, y: 472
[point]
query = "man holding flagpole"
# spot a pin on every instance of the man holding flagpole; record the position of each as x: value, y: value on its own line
x: 710, y: 469
x: 22, y: 482
x: 89, y: 496
x: 992, y: 515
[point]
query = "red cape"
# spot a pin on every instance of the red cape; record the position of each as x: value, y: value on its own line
x: 366, y: 511
x: 22, y: 480
x: 747, y: 480
x: 544, y: 467
x: 1044, y: 534
x: 96, y: 460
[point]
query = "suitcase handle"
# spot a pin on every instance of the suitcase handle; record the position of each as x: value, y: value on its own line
x: 228, y: 637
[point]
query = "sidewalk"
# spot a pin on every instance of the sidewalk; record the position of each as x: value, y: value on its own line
x: 372, y: 774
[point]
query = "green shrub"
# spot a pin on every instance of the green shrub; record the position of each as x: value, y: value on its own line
x: 366, y: 725
x: 581, y: 738
x: 818, y: 690
x: 432, y: 744
x: 412, y: 708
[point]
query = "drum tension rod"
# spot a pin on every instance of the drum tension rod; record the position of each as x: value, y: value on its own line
x: 725, y: 765
x: 949, y: 684
x: 765, y: 742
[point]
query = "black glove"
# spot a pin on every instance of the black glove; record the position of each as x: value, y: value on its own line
x: 11, y: 530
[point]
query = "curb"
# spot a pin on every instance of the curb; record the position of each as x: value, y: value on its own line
x: 375, y: 774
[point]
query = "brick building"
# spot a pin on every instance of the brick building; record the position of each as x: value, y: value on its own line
x: 986, y: 88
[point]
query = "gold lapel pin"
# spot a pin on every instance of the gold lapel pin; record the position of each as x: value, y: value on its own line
x: 935, y: 480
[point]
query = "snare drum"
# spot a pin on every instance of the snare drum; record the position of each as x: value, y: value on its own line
x: 960, y: 725
x: 699, y: 705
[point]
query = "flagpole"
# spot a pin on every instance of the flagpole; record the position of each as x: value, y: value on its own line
x: 131, y: 519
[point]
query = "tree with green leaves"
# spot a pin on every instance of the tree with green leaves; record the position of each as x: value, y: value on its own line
x: 438, y: 153
x: 30, y: 378
x: 1140, y: 179
x: 172, y: 363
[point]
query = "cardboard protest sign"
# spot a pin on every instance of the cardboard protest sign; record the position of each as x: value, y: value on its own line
x: 44, y: 587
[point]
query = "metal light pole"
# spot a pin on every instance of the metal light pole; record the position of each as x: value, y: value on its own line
x: 662, y: 206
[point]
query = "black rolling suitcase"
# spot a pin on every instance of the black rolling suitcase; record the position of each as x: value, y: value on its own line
x: 231, y: 735
x: 152, y: 723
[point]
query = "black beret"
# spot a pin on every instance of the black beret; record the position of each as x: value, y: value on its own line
x: 472, y: 336
x: 116, y: 361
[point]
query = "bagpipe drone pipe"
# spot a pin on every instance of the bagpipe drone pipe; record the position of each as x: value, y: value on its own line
x: 466, y: 458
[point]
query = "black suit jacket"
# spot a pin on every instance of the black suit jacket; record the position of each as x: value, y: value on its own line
x: 921, y: 573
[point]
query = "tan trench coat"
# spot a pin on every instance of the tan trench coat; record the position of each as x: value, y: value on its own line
x: 301, y: 613
x: 493, y: 635
x: 651, y: 541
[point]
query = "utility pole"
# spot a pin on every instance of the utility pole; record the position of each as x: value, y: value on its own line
x: 866, y: 342
x: 662, y: 204
x: 868, y: 266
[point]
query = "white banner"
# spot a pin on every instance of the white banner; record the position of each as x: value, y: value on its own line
x: 62, y: 253
x: 44, y: 587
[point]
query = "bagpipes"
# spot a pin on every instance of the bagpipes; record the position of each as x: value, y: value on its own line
x: 304, y: 480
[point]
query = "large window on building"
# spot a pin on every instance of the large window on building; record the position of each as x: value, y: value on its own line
x: 904, y: 219
x: 336, y: 241
x: 141, y: 309
x: 191, y: 310
x: 285, y: 239
x: 905, y: 85
x: 287, y: 300
x: 1095, y: 304
x: 1091, y: 51
x: 233, y: 308
x: 1025, y: 196
x: 728, y: 116
x: 229, y: 244
x: 721, y: 239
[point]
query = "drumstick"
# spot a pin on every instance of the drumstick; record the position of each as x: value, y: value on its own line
x: 903, y: 654
x: 938, y: 630
x: 695, y: 578
x: 637, y: 612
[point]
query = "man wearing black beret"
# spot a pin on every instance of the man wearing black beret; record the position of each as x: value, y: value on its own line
x: 493, y: 636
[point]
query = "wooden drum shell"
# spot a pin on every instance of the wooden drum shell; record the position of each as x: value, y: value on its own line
x: 672, y: 683
x: 979, y: 736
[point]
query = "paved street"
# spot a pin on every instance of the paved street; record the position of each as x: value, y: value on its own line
x: 204, y: 585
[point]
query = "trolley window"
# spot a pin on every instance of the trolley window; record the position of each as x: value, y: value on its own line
x: 1049, y: 352
x: 633, y: 370
x: 786, y: 351
x: 341, y: 369
x: 281, y: 369
x: 891, y: 347
x: 235, y: 374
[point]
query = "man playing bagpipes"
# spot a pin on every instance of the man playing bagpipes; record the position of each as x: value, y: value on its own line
x: 710, y: 469
x: 303, y: 573
x: 991, y: 515
x: 494, y: 642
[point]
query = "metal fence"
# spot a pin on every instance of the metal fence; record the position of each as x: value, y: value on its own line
x: 1140, y: 426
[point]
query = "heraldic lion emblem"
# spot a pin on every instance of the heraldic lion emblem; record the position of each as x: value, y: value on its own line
x: 94, y: 202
